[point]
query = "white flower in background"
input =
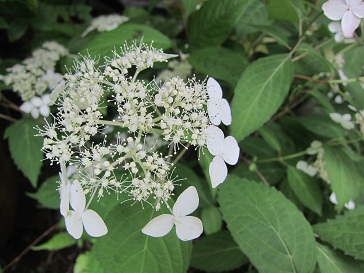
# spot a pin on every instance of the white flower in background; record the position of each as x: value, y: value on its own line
x: 80, y: 217
x: 217, y: 107
x: 343, y: 120
x: 36, y: 73
x: 349, y: 205
x: 105, y: 23
x: 187, y: 227
x: 36, y: 106
x: 52, y: 79
x: 224, y: 150
x: 335, y: 27
x: 348, y: 11
x: 176, y: 68
x: 306, y: 168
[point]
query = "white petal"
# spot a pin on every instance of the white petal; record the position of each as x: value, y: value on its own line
x: 26, y: 107
x: 35, y: 113
x: 188, y: 228
x: 36, y: 101
x: 352, y: 3
x: 333, y: 198
x: 348, y: 125
x: 358, y: 10
x: 335, y: 27
x: 217, y: 171
x: 93, y: 223
x: 159, y: 226
x: 213, y: 89
x: 350, y: 205
x: 349, y: 23
x: 77, y: 197
x: 74, y: 224
x: 213, y: 111
x: 44, y: 110
x: 334, y: 9
x: 336, y: 117
x: 215, y: 138
x: 65, y: 198
x: 225, y: 112
x: 231, y: 150
x: 186, y: 203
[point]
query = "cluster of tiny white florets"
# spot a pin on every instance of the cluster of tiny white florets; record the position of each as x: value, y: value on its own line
x: 176, y: 111
x: 37, y: 73
x: 180, y: 113
x: 105, y: 23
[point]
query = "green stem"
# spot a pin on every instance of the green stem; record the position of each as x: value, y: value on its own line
x: 181, y: 154
x: 281, y: 158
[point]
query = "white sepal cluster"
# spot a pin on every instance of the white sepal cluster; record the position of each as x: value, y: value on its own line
x: 36, y: 106
x: 80, y: 217
x: 349, y: 12
x: 344, y: 120
x: 187, y: 227
x: 306, y: 168
x: 224, y: 150
x: 217, y: 107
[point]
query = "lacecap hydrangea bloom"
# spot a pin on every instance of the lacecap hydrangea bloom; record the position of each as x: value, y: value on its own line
x: 36, y: 74
x: 178, y: 111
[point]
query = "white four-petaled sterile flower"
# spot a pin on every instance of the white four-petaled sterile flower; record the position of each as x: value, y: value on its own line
x: 36, y: 106
x: 80, y: 217
x: 349, y: 205
x: 217, y: 107
x: 306, y: 168
x: 187, y: 227
x: 225, y: 150
x: 348, y: 11
x: 343, y: 120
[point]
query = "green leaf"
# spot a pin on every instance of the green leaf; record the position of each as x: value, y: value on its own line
x: 323, y: 100
x: 104, y: 43
x: 3, y: 23
x: 189, y: 6
x: 321, y: 125
x: 256, y: 14
x: 126, y: 249
x: 306, y: 188
x: 217, y: 252
x: 211, y: 219
x: 345, y: 232
x: 283, y: 10
x: 269, y: 229
x: 214, y: 21
x: 275, y: 32
x: 58, y: 241
x: 87, y: 263
x: 331, y: 261
x: 17, y: 29
x: 269, y: 136
x: 190, y: 178
x: 259, y: 93
x: 47, y: 195
x: 220, y: 63
x: 342, y: 173
x: 25, y: 147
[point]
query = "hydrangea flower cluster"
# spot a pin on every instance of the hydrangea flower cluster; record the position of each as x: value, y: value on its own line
x: 182, y: 112
x: 37, y: 73
x: 105, y: 23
